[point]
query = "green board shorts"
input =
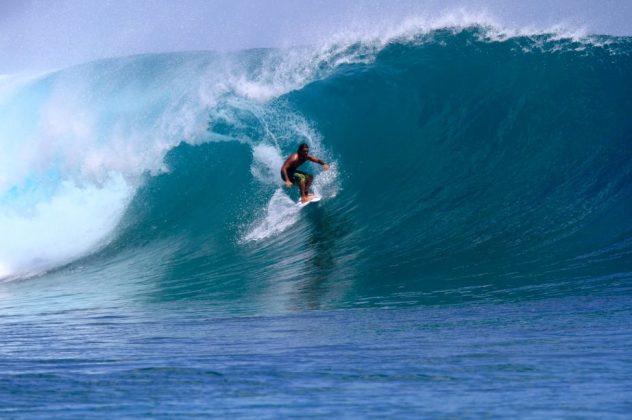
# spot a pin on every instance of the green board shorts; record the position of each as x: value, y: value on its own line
x: 298, y: 177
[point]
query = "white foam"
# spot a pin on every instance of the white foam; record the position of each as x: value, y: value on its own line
x: 76, y: 146
x: 281, y: 213
x: 266, y: 164
x: 326, y: 184
x: 60, y: 229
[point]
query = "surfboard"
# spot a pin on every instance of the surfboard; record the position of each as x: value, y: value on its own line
x: 314, y: 199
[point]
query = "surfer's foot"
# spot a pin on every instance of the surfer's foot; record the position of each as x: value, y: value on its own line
x: 307, y: 198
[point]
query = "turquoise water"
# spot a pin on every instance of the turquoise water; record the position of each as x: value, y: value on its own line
x: 558, y: 357
x: 471, y: 254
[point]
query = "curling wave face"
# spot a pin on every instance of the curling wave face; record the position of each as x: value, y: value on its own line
x: 464, y: 163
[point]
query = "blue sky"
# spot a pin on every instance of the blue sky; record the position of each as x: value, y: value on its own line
x: 45, y: 34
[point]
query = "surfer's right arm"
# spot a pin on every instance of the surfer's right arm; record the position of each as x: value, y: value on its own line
x: 284, y: 168
x: 286, y: 178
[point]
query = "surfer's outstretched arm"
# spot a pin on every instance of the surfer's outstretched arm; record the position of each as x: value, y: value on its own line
x: 316, y: 160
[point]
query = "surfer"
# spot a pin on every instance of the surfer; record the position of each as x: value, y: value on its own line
x: 291, y: 175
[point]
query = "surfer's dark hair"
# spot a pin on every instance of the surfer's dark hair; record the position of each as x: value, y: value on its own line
x: 302, y: 146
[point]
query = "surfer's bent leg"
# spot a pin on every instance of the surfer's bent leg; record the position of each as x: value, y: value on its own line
x: 303, y: 188
x: 301, y: 179
x: 308, y: 183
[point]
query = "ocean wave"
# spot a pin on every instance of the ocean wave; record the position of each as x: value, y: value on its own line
x: 462, y: 154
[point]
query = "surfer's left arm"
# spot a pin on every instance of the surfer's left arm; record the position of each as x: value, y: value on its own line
x: 320, y: 162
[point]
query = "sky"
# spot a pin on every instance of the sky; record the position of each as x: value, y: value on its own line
x: 38, y: 35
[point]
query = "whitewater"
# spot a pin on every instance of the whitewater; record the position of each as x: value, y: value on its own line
x: 472, y: 253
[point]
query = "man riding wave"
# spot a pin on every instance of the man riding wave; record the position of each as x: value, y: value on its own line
x: 292, y: 176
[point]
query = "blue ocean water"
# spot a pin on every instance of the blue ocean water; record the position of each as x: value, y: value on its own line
x: 471, y: 256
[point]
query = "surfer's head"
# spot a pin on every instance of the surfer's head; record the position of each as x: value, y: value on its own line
x: 303, y: 149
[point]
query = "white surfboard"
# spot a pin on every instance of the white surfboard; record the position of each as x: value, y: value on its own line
x: 314, y: 199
